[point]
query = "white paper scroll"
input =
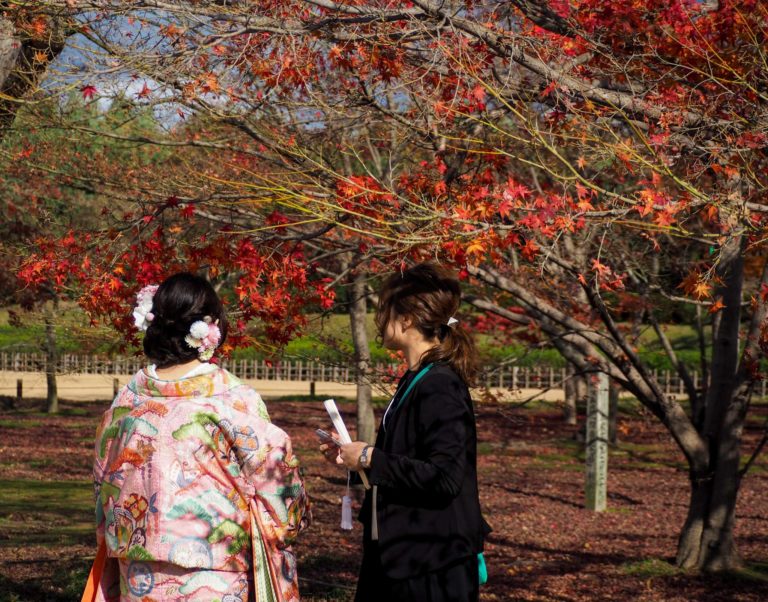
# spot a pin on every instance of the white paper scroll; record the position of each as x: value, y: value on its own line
x: 341, y: 429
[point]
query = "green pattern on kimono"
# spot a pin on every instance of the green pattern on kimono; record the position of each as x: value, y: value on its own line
x: 177, y: 467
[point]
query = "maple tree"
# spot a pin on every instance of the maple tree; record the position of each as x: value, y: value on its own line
x: 581, y: 162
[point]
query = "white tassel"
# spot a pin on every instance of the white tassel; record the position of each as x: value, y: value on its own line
x: 346, y: 509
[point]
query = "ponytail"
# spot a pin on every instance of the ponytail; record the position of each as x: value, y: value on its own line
x: 430, y: 296
x: 456, y: 348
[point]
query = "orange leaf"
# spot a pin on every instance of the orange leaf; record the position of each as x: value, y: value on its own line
x: 711, y: 213
x: 717, y: 306
x: 702, y: 289
x: 476, y: 247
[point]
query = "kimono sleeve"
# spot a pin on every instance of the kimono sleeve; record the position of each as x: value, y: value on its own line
x: 106, y: 438
x: 99, y: 466
x: 109, y: 582
x: 279, y: 490
x: 254, y: 402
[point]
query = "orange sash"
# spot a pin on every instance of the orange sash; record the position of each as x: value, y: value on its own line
x: 94, y: 579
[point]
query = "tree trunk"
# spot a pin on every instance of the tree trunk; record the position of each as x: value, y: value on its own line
x: 20, y: 65
x: 10, y: 47
x: 51, y: 357
x: 581, y: 392
x: 613, y: 412
x: 569, y: 407
x: 689, y: 543
x: 707, y: 541
x: 718, y: 548
x: 357, y: 317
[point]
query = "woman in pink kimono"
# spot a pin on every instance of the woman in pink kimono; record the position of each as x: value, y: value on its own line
x: 198, y: 494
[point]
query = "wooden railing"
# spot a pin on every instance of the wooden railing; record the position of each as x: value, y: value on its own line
x: 503, y: 376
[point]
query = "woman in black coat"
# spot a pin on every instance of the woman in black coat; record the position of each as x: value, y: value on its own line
x: 423, y: 529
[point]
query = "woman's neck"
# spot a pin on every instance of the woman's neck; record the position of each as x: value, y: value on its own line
x: 177, y: 371
x: 415, y: 351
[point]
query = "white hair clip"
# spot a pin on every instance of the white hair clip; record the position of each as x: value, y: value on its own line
x: 142, y: 313
x: 451, y: 322
x: 205, y: 336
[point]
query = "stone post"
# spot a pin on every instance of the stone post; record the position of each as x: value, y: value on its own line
x: 597, y: 444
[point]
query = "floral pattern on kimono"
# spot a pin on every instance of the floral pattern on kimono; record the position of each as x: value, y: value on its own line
x: 177, y: 466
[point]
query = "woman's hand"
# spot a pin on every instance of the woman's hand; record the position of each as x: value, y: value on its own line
x: 349, y: 455
x: 330, y: 451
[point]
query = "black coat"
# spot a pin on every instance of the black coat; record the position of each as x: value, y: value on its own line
x: 425, y: 466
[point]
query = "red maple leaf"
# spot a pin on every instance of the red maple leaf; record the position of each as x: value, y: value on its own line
x: 88, y: 91
x: 529, y: 250
x: 144, y: 92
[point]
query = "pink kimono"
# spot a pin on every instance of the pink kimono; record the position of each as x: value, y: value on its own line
x: 198, y: 494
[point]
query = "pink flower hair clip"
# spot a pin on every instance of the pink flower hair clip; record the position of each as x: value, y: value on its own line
x: 205, y: 336
x: 142, y: 312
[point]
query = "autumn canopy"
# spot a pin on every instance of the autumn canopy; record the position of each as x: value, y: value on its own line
x: 588, y: 167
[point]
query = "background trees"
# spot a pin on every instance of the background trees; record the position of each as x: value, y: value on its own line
x: 582, y: 164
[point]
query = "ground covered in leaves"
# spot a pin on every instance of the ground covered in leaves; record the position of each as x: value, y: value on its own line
x: 545, y: 545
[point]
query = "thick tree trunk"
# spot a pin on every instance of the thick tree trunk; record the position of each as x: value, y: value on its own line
x: 357, y: 317
x: 718, y: 549
x: 51, y: 357
x: 23, y: 62
x: 689, y: 543
x: 707, y: 541
x: 10, y: 47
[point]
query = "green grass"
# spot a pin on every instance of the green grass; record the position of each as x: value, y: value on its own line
x: 73, y: 412
x: 656, y: 567
x: 46, y: 513
x: 72, y: 579
x: 42, y: 413
x: 650, y: 567
x: 485, y: 448
x: 20, y: 424
x: 64, y: 585
x: 557, y: 459
x: 755, y: 571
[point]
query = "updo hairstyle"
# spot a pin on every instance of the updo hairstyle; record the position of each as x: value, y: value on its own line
x: 179, y: 301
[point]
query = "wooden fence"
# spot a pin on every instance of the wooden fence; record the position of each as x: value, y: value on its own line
x: 503, y: 376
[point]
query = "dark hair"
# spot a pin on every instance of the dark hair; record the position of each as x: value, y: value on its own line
x: 179, y: 301
x: 429, y: 295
